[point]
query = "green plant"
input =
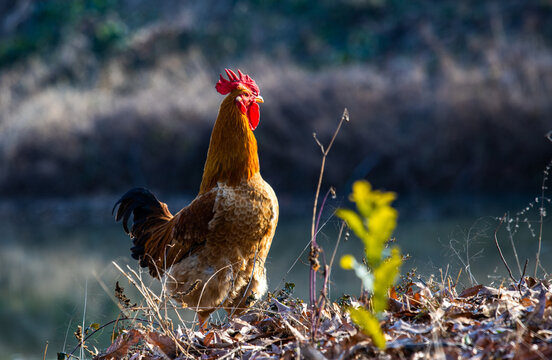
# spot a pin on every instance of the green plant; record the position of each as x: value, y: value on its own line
x: 373, y: 223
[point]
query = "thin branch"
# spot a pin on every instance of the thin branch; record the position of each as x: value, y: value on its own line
x: 524, y: 268
x: 344, y: 117
x: 325, y: 152
x: 541, y: 211
x: 318, y: 142
x: 522, y: 276
x: 500, y: 251
x: 321, y: 302
x: 341, y: 228
x: 511, y: 236
x: 84, y: 316
x: 313, y: 258
x: 45, y: 351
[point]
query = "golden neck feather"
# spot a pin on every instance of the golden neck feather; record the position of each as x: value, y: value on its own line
x: 232, y: 155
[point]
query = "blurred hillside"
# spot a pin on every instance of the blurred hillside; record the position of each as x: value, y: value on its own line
x: 100, y: 95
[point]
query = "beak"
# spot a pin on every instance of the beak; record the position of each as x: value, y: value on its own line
x: 259, y: 99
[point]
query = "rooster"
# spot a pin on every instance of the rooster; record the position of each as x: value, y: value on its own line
x: 212, y: 252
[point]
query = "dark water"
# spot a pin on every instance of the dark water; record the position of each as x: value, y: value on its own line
x: 56, y: 256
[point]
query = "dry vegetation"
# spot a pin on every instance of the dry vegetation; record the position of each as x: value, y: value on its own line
x: 482, y: 125
x: 425, y: 320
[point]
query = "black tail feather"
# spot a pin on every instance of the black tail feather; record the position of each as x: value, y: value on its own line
x: 148, y: 213
x: 139, y: 202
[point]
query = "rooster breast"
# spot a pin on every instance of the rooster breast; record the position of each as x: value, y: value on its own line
x: 228, y: 270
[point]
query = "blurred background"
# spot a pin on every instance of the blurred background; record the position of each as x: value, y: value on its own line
x: 450, y: 105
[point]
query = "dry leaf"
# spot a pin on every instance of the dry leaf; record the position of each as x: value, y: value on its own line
x: 120, y: 346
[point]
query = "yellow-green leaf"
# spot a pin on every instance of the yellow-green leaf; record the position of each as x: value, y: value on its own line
x: 373, y: 247
x: 354, y: 222
x: 384, y: 277
x: 362, y: 197
x: 373, y: 224
x: 347, y: 262
x: 369, y: 325
x: 382, y: 222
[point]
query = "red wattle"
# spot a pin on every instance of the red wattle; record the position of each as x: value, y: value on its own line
x: 253, y: 115
x: 242, y: 107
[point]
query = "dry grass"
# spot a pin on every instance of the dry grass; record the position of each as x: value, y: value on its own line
x: 426, y: 320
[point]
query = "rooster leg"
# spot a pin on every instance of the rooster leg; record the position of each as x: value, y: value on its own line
x: 203, y: 323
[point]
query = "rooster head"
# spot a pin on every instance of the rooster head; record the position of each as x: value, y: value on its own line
x: 247, y: 99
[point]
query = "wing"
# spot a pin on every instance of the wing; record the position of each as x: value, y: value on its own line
x: 191, y: 227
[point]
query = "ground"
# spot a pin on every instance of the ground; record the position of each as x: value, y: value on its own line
x: 425, y: 320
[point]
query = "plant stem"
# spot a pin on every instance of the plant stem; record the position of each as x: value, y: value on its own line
x: 509, y: 229
x: 325, y: 152
x: 500, y: 251
x: 315, y: 263
x: 313, y: 258
x: 343, y: 224
x: 321, y: 302
x: 315, y: 249
x: 541, y: 210
x: 45, y: 351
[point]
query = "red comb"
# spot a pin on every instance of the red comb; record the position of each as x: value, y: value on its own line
x: 224, y: 86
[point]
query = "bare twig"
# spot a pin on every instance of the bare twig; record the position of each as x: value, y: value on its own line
x: 84, y: 316
x: 321, y: 301
x: 458, y: 277
x: 511, y: 236
x: 522, y: 276
x: 500, y: 251
x: 341, y: 228
x: 541, y: 213
x: 325, y: 152
x: 313, y: 258
x: 524, y: 268
x: 45, y: 351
